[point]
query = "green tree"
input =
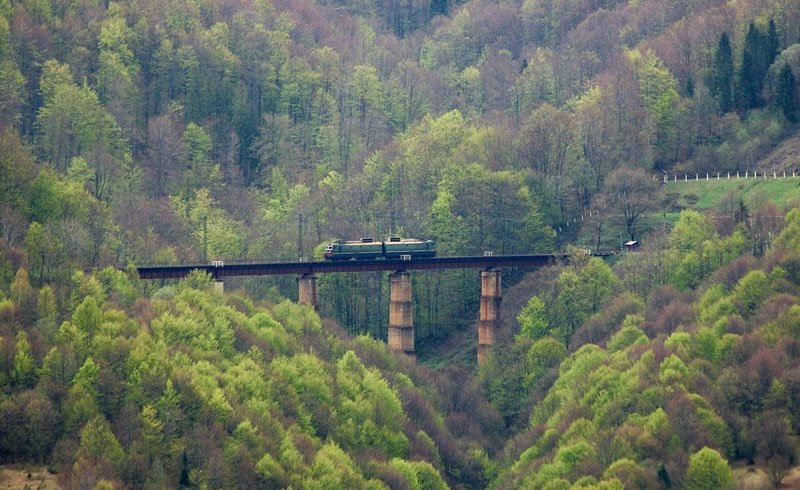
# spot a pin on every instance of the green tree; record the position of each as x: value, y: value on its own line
x: 100, y: 454
x: 365, y: 93
x: 153, y: 444
x: 333, y: 468
x: 772, y: 43
x: 571, y: 306
x: 748, y: 83
x: 71, y: 123
x: 659, y: 92
x: 22, y: 294
x: 17, y: 172
x: 758, y: 52
x: 273, y: 146
x: 87, y: 316
x: 708, y: 470
x: 751, y: 290
x: 87, y: 377
x: 789, y: 237
x: 117, y: 74
x: 216, y: 234
x: 24, y: 373
x: 29, y: 426
x: 577, y: 295
x: 532, y: 319
x: 54, y: 75
x: 720, y: 82
x: 545, y: 354
x: 201, y: 171
x: 369, y: 412
x: 498, y: 211
x: 47, y: 313
x: 448, y: 229
x: 536, y: 84
x: 12, y: 83
x: 786, y: 94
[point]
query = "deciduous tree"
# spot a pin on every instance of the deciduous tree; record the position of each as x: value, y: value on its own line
x: 631, y: 196
x: 708, y: 470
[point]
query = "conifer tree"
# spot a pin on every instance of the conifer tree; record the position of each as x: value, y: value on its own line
x: 758, y: 53
x: 786, y: 94
x: 721, y: 79
x: 439, y: 7
x: 771, y: 43
x: 748, y: 87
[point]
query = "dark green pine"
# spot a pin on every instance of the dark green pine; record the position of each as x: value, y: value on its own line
x: 721, y: 80
x: 748, y: 85
x: 786, y: 94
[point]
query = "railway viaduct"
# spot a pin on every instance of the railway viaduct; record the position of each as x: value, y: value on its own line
x: 401, y: 308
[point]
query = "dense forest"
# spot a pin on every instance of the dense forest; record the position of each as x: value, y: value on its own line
x: 156, y: 131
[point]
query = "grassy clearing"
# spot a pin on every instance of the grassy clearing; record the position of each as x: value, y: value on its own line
x: 707, y: 194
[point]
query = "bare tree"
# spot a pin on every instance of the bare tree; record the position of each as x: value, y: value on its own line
x: 631, y: 194
x: 165, y: 149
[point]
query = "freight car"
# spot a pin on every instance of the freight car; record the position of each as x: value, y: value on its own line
x: 369, y: 249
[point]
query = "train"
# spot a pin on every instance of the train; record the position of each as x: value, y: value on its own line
x: 369, y: 249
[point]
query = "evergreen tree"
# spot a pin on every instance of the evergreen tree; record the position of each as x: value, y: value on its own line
x: 771, y: 43
x: 786, y: 94
x: 758, y: 53
x: 439, y: 7
x: 721, y: 79
x: 663, y: 476
x: 748, y: 86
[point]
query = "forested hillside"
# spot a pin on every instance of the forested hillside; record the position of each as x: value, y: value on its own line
x: 152, y: 131
x: 141, y: 132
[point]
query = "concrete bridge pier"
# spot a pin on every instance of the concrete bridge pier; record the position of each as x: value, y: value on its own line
x: 307, y: 287
x: 219, y: 285
x: 489, y: 318
x: 401, y: 314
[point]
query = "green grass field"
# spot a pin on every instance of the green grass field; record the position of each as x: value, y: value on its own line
x: 707, y: 194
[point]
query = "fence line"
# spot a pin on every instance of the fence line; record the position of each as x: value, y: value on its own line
x: 665, y: 178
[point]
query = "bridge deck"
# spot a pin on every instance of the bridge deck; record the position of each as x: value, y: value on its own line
x: 221, y: 270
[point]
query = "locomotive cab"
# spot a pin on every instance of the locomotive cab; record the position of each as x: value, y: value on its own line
x: 370, y: 249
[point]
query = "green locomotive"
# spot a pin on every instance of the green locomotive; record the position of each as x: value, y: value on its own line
x: 369, y: 249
